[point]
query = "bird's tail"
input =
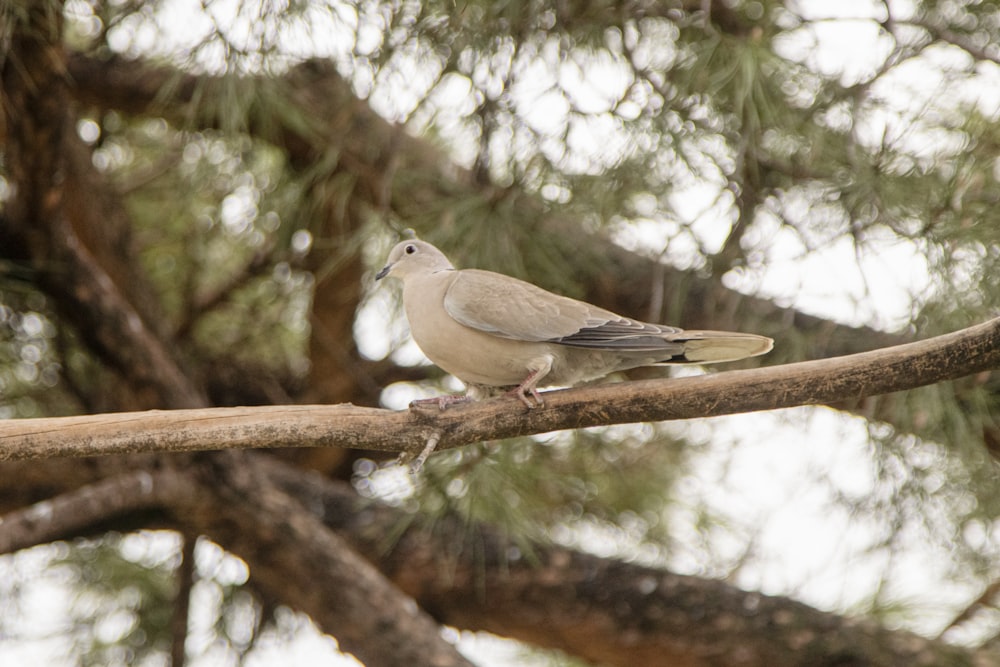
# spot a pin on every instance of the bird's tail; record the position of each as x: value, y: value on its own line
x: 711, y: 347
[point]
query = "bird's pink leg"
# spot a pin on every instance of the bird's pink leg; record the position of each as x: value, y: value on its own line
x: 539, y: 367
x: 528, y: 387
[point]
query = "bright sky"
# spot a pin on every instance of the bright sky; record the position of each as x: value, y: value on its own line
x: 773, y: 475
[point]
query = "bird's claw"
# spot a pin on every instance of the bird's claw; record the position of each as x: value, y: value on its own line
x: 522, y: 393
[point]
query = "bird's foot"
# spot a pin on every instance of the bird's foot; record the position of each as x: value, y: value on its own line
x: 523, y: 390
x: 441, y: 402
x: 540, y: 367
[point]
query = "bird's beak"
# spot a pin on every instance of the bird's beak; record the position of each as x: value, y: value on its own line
x: 384, y: 272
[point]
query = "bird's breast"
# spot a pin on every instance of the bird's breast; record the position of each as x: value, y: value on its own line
x: 471, y: 355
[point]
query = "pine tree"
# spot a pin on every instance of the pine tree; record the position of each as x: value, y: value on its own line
x: 191, y: 209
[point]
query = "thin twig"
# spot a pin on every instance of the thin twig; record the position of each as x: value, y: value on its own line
x: 182, y: 601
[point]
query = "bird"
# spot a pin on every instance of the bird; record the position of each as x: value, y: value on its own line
x: 496, y: 332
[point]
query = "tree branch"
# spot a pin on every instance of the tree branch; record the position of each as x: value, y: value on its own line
x: 600, y: 609
x: 288, y: 548
x: 612, y: 277
x: 74, y: 231
x: 72, y: 512
x: 179, y: 615
x: 113, y: 326
x: 341, y: 591
x: 825, y: 381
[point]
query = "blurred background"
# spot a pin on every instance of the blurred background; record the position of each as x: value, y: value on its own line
x: 194, y: 198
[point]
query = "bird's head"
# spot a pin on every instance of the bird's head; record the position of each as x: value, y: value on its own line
x: 413, y: 257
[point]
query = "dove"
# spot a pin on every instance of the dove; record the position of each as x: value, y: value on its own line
x: 494, y: 331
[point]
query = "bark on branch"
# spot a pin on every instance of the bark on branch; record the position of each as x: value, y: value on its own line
x: 75, y: 232
x: 341, y: 591
x: 214, y: 495
x: 73, y: 512
x: 601, y: 609
x: 825, y: 381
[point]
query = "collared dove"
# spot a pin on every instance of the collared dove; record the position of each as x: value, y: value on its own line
x: 490, y: 330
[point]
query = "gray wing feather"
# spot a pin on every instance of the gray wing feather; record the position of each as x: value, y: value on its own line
x: 511, y: 308
x: 625, y: 335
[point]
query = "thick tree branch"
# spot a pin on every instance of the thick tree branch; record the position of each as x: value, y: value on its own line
x: 295, y: 559
x: 611, y: 276
x: 853, y: 377
x: 72, y: 512
x: 114, y: 327
x: 75, y: 234
x: 601, y: 609
x: 229, y: 497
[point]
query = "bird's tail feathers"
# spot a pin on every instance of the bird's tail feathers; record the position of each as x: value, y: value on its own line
x: 711, y: 347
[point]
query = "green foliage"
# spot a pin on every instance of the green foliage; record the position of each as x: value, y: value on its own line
x: 221, y: 257
x: 121, y: 613
x: 532, y: 487
x: 30, y: 367
x: 122, y: 602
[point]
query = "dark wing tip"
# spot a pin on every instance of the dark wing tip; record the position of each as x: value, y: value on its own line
x: 625, y: 335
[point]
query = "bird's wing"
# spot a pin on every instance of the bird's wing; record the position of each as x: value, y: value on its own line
x: 511, y: 308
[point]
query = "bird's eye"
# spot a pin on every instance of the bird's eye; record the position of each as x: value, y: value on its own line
x: 410, y: 249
